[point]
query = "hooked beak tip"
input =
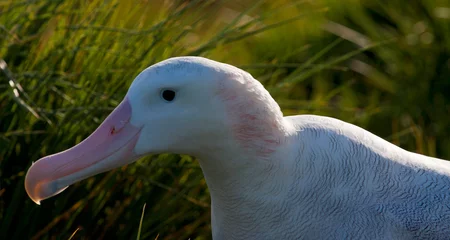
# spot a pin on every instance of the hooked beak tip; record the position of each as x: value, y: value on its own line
x: 29, y: 190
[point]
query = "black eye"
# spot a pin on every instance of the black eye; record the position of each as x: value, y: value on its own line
x: 168, y: 95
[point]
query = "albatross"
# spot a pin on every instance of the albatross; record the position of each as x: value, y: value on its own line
x: 269, y: 176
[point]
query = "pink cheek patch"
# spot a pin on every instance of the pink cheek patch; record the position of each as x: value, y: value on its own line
x: 254, y: 125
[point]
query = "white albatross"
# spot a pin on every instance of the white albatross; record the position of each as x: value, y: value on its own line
x: 270, y: 177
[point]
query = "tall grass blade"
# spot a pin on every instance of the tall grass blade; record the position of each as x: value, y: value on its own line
x: 141, y: 222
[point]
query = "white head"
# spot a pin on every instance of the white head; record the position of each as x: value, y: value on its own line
x: 185, y: 105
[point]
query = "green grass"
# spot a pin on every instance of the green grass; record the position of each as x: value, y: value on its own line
x: 382, y: 65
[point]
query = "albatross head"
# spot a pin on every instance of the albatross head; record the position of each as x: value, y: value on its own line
x: 185, y: 105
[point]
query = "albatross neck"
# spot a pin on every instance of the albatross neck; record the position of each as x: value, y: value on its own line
x: 232, y: 172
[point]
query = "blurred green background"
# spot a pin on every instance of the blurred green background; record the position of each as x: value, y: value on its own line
x: 383, y: 65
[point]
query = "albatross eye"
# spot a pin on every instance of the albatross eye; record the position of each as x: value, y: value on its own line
x: 168, y: 95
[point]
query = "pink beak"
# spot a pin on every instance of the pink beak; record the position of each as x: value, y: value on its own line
x: 110, y: 146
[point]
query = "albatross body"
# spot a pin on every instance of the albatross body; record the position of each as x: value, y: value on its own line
x: 270, y: 177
